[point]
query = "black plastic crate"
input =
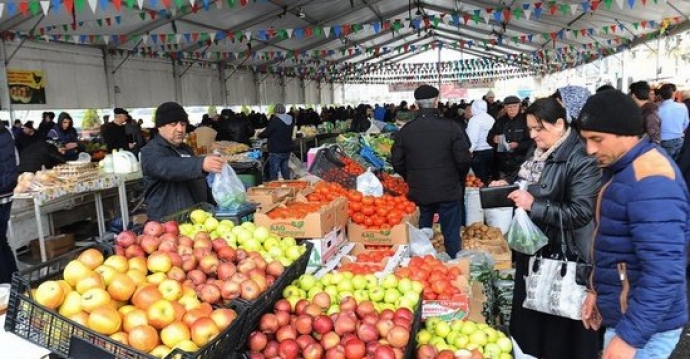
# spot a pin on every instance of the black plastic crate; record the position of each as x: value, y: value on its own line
x: 328, y: 165
x: 261, y: 305
x: 46, y: 328
x: 183, y: 215
x: 243, y: 214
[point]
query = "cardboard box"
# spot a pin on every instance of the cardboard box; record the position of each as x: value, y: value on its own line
x: 295, y: 186
x: 313, y: 225
x: 477, y: 303
x: 267, y: 196
x: 457, y: 308
x: 55, y: 246
x: 386, y: 266
x: 327, y: 247
x: 399, y: 234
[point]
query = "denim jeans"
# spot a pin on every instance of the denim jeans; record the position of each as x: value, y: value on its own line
x: 278, y: 162
x: 660, y: 345
x: 672, y: 147
x: 449, y: 218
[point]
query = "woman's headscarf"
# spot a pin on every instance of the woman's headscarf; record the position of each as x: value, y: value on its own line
x: 573, y: 97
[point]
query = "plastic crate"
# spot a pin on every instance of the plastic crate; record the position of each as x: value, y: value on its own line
x: 329, y: 167
x: 67, y: 339
x: 256, y: 308
x: 239, y: 216
x: 183, y: 215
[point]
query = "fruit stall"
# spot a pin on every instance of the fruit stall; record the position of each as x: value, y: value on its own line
x: 315, y: 269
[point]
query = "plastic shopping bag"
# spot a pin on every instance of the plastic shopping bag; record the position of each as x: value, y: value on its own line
x: 369, y: 185
x: 420, y: 240
x: 523, y: 235
x: 228, y: 190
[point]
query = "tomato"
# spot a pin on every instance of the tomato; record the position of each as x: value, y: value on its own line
x: 440, y: 286
x: 379, y: 220
x: 358, y: 218
x: 368, y: 200
x: 368, y: 210
x: 381, y: 211
x: 354, y: 196
x: 394, y: 218
x: 410, y: 208
x: 368, y: 222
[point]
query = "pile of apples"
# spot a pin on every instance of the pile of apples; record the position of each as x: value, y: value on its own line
x: 220, y: 270
x: 354, y: 331
x: 436, y: 277
x: 114, y: 296
x: 462, y: 339
x: 473, y: 181
x: 388, y: 293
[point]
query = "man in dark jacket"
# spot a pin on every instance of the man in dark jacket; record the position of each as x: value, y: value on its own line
x: 641, y: 92
x: 239, y: 129
x: 8, y: 180
x: 174, y: 178
x: 638, y: 286
x: 39, y: 154
x: 510, y: 139
x: 47, y: 124
x: 114, y: 133
x: 279, y: 135
x: 432, y: 154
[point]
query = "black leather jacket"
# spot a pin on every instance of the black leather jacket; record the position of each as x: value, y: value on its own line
x: 569, y: 184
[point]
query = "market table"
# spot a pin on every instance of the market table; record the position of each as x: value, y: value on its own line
x: 18, y: 348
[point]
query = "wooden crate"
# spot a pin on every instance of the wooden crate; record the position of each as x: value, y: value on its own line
x: 55, y: 245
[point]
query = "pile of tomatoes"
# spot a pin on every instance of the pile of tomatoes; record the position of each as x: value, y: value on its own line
x: 374, y: 256
x: 327, y: 191
x: 394, y: 184
x: 361, y: 268
x: 352, y: 167
x: 434, y: 274
x: 296, y: 210
x: 378, y: 212
x: 293, y: 184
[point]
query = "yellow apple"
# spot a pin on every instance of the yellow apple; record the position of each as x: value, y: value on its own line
x: 159, y: 262
x: 71, y: 305
x: 174, y: 333
x: 81, y: 318
x: 75, y: 271
x: 91, y: 257
x: 120, y: 263
x: 160, y: 314
x: 189, y: 302
x: 126, y: 309
x: 49, y: 294
x: 156, y: 278
x: 171, y: 290
x: 107, y: 272
x: 66, y: 288
x: 134, y: 318
x: 94, y: 298
x: 160, y: 351
x: 137, y: 276
x: 143, y: 337
x: 203, y: 331
x: 93, y: 280
x: 138, y: 263
x: 120, y: 337
x: 105, y: 320
x: 188, y: 291
x: 187, y: 345
x: 121, y: 287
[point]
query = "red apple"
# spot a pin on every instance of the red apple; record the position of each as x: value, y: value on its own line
x: 345, y: 324
x: 322, y: 299
x: 177, y: 274
x: 176, y: 258
x: 330, y: 340
x: 225, y: 270
x: 185, y: 241
x: 367, y: 332
x: 245, y: 265
x: 257, y: 341
x: 384, y: 352
x: 284, y: 305
x: 348, y: 303
x: 227, y: 254
x: 249, y: 290
x: 301, y: 304
x: 197, y: 276
x: 304, y: 340
x: 322, y: 324
x: 202, y: 240
x: 185, y: 250
x: 200, y: 253
x: 370, y: 319
x: 271, y: 350
x: 269, y: 323
x: 241, y: 254
x: 303, y: 324
x: 153, y: 228
x: 337, y: 352
x: 398, y: 336
x: 209, y: 264
x: 189, y: 263
x: 218, y: 243
x: 286, y: 332
x: 209, y: 293
x: 283, y: 318
x: 134, y: 250
x: 384, y: 326
x: 126, y: 239
x: 230, y: 290
x: 275, y: 268
x: 403, y: 323
x: 150, y: 243
x: 448, y: 354
x: 387, y: 314
x: 404, y: 313
x: 288, y: 349
x: 355, y: 349
x: 313, y: 351
x: 312, y: 310
x: 168, y: 243
x: 364, y: 308
x: 426, y: 351
x: 171, y: 227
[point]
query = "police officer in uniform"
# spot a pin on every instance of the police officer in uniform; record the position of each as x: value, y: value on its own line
x: 510, y: 138
x: 432, y: 153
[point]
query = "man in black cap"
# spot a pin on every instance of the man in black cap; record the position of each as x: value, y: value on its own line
x: 637, y: 290
x: 175, y: 179
x: 114, y: 133
x: 510, y: 139
x: 432, y: 153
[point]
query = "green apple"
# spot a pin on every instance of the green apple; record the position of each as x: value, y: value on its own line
x: 443, y: 346
x: 210, y: 224
x: 230, y: 238
x: 390, y: 306
x: 186, y: 228
x: 372, y: 281
x: 249, y: 225
x: 284, y: 261
x: 332, y: 291
x: 450, y: 338
x: 333, y: 309
x: 389, y: 281
x: 404, y: 285
x: 227, y: 223
x: 505, y: 344
x: 505, y: 356
x: 359, y: 282
x: 491, y: 334
x: 198, y: 216
x: 307, y: 281
x: 442, y: 329
x: 348, y: 275
x: 461, y: 341
x: 291, y: 291
x: 252, y: 244
x: 198, y: 228
x: 288, y: 242
x: 293, y: 301
x: 243, y: 236
x: 468, y: 328
x: 261, y: 233
x: 430, y: 323
x: 214, y: 234
x: 491, y: 350
x: 482, y: 326
x: 361, y: 295
x: 345, y: 286
x: 344, y: 294
x: 314, y: 291
x: 302, y: 293
x: 293, y: 253
x: 436, y: 341
x: 405, y: 303
x: 377, y: 294
x: 412, y: 297
x: 472, y: 346
x: 326, y: 279
x: 391, y: 296
x: 479, y: 338
x: 423, y: 337
x: 337, y: 278
x: 275, y: 252
x: 456, y: 325
x: 271, y: 242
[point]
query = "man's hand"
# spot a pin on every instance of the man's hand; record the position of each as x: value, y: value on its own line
x: 522, y: 199
x: 213, y: 164
x: 590, y: 314
x: 618, y: 349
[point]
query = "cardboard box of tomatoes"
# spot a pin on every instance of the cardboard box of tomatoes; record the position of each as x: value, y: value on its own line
x: 294, y: 186
x: 366, y: 259
x: 397, y: 234
x: 301, y: 218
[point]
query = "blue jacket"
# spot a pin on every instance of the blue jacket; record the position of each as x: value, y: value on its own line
x: 643, y: 217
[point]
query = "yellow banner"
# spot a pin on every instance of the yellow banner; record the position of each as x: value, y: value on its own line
x: 26, y: 86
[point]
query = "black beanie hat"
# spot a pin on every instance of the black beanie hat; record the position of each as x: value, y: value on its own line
x: 170, y: 112
x: 611, y: 112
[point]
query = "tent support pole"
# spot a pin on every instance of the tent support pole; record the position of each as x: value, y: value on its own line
x: 283, y: 90
x: 126, y: 58
x: 109, y: 77
x: 223, y: 84
x: 21, y: 43
x: 6, y: 103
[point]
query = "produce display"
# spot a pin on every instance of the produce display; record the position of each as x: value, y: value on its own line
x: 378, y: 212
x: 228, y: 147
x: 437, y: 279
x: 472, y: 181
x: 295, y: 210
x: 394, y: 184
x: 463, y: 340
x: 479, y: 236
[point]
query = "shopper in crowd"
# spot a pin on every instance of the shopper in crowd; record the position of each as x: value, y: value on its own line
x: 361, y: 121
x: 26, y: 136
x: 674, y: 121
x: 492, y: 106
x: 238, y: 128
x: 17, y: 128
x: 47, y: 124
x: 279, y: 136
x: 174, y: 178
x: 641, y: 92
x: 380, y: 112
x: 390, y: 113
x: 432, y: 154
x: 65, y: 133
x: 605, y: 87
x: 638, y: 287
x: 114, y: 133
x: 39, y: 154
x: 133, y: 133
x: 8, y: 180
x: 477, y: 130
x: 510, y: 139
x: 562, y: 186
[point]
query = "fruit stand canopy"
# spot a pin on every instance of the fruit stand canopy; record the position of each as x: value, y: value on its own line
x: 350, y: 40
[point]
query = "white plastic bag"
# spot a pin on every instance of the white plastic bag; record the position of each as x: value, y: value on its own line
x: 420, y: 240
x: 500, y: 217
x: 228, y: 190
x: 369, y: 185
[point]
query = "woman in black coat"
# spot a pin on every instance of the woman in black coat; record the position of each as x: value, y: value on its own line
x: 360, y: 122
x: 562, y: 187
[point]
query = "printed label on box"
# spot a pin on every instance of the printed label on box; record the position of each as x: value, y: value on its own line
x: 446, y: 310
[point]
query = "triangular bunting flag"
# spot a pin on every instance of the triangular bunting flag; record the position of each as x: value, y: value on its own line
x: 573, y: 9
x: 248, y: 35
x: 528, y: 14
x: 178, y: 38
x: 69, y: 5
x: 106, y: 39
x: 327, y: 31
x: 289, y: 33
x: 45, y: 6
x: 145, y: 40
x: 140, y: 3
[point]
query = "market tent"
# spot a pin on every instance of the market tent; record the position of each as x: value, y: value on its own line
x: 328, y: 41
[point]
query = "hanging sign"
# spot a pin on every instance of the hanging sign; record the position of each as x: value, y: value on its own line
x: 26, y: 86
